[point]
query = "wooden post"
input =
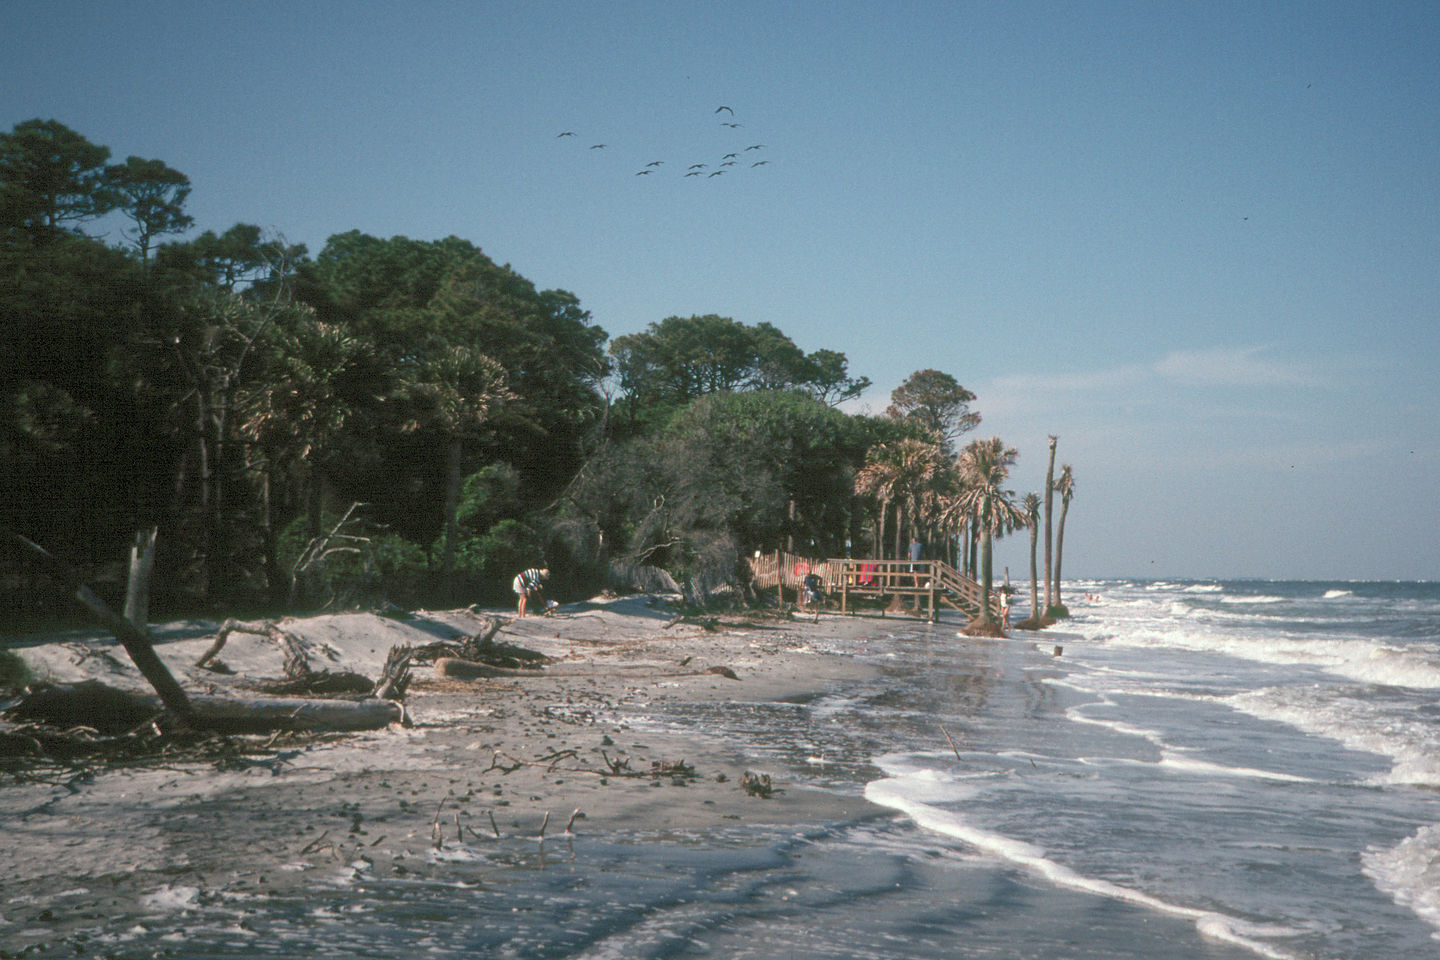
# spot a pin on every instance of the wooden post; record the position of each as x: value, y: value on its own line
x: 930, y: 584
x: 844, y: 586
x: 780, y: 579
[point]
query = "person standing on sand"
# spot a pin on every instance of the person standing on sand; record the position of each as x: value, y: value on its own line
x: 531, y: 583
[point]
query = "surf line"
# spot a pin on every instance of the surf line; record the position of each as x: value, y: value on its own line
x: 1210, y: 924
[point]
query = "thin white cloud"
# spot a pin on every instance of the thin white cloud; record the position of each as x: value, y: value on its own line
x: 1227, y: 367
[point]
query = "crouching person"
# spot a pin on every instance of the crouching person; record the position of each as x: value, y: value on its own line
x: 530, y: 585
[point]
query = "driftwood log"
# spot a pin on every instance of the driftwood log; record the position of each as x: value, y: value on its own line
x: 470, y: 669
x: 295, y: 662
x: 135, y: 639
x: 108, y: 709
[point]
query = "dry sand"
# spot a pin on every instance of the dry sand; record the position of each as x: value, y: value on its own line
x: 111, y: 842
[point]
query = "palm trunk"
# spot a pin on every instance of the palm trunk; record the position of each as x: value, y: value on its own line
x: 1034, y: 576
x: 987, y: 578
x: 899, y: 527
x: 1049, y: 499
x: 880, y: 530
x: 452, y: 513
x: 1059, y: 548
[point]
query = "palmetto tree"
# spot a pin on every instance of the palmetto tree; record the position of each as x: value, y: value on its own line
x: 984, y: 466
x: 316, y: 374
x: 1065, y: 486
x: 903, y: 472
x: 455, y: 390
x: 1031, y: 509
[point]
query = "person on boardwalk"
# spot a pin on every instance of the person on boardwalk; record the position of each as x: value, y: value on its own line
x: 531, y: 583
x: 1004, y: 609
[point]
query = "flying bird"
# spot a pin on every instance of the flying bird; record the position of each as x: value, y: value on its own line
x: 567, y: 133
x: 693, y: 173
x: 732, y: 126
x: 728, y: 163
x: 759, y: 163
x: 718, y: 109
x: 718, y: 173
x: 654, y: 163
x: 597, y: 146
x: 643, y: 173
x: 695, y: 166
x: 755, y: 146
x: 730, y: 156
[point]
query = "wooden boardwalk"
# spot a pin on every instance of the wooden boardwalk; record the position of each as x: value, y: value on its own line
x: 930, y: 581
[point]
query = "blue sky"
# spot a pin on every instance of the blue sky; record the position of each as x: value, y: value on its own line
x: 1199, y: 242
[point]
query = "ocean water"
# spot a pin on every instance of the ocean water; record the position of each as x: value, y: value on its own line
x: 1208, y: 769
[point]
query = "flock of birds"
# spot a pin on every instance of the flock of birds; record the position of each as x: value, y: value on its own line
x: 729, y: 160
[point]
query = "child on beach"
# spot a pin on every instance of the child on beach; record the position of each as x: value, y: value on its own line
x: 531, y: 583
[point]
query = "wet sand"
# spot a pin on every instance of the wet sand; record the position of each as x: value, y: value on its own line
x: 546, y: 760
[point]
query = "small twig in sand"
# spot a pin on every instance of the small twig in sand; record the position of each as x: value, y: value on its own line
x: 436, y: 833
x: 952, y: 743
x: 491, y: 815
x: 314, y: 844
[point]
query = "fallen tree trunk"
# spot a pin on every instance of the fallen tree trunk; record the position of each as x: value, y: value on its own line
x: 135, y: 640
x: 453, y: 667
x: 93, y: 704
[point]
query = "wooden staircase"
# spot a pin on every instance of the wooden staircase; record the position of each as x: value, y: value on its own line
x: 929, y: 580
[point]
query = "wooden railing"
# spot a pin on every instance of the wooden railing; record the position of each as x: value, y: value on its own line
x: 931, y: 580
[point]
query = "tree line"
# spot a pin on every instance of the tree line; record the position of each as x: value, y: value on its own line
x: 409, y: 421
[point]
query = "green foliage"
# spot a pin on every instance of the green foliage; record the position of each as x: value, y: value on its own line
x: 487, y: 562
x: 936, y: 402
x: 50, y: 178
x: 680, y: 359
x: 152, y: 196
x: 14, y: 674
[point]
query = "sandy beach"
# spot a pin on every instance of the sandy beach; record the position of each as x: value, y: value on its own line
x: 527, y: 763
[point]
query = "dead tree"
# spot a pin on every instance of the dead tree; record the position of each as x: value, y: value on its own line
x: 135, y: 639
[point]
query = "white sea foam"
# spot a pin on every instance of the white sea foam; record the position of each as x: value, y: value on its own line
x: 168, y: 899
x: 1183, y: 761
x: 1359, y: 724
x: 1409, y: 873
x: 1260, y: 598
x: 1204, y: 588
x: 1336, y: 594
x: 897, y: 794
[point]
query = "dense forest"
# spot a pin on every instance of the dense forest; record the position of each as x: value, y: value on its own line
x: 407, y: 421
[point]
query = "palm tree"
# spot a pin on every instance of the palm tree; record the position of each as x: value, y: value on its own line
x: 1049, y: 496
x: 1031, y: 509
x: 876, y: 478
x: 456, y: 391
x: 319, y: 373
x: 904, y: 473
x: 1066, y: 486
x: 984, y: 465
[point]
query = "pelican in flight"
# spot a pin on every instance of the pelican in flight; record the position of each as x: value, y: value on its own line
x: 597, y: 146
x: 644, y: 173
x: 718, y: 173
x: 730, y: 156
x: 696, y: 166
x: 755, y: 146
x: 693, y: 173
x: 759, y: 163
x: 731, y: 112
x: 732, y: 126
x: 567, y: 133
x: 654, y: 163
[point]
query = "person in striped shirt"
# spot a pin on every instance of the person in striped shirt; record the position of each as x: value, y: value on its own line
x: 531, y: 583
